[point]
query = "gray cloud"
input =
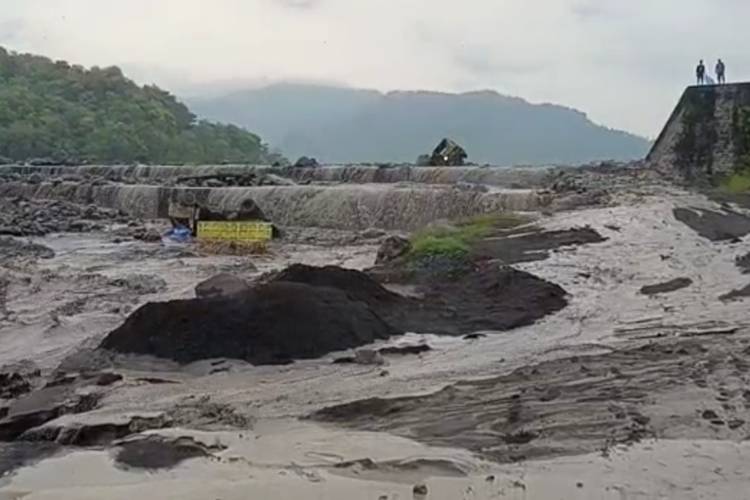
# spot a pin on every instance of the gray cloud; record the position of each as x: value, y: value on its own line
x: 298, y: 4
x: 624, y: 63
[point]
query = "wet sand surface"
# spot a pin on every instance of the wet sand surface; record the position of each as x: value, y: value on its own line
x: 619, y: 395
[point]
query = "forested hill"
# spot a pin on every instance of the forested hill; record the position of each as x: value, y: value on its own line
x: 53, y: 109
x: 342, y: 125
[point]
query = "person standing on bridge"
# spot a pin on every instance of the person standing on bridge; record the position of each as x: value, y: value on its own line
x: 720, y: 72
x: 700, y: 73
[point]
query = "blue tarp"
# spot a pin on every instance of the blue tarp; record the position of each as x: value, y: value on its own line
x: 180, y: 234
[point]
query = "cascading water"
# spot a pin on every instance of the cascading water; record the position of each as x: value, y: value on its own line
x: 354, y: 174
x: 357, y: 198
x: 344, y: 206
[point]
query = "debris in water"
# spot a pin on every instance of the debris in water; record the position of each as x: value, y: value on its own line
x: 420, y: 490
x: 392, y: 248
x: 447, y: 154
x: 667, y: 286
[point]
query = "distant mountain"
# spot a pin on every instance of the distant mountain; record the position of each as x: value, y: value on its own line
x: 344, y: 125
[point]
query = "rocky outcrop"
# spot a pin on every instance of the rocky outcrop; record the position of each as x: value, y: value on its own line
x: 392, y: 248
x: 707, y: 136
x: 20, y: 216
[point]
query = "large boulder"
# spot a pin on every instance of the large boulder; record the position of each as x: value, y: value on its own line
x: 392, y: 248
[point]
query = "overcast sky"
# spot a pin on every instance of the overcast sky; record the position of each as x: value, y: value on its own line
x: 624, y: 62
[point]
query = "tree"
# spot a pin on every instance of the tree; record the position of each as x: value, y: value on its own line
x: 58, y: 110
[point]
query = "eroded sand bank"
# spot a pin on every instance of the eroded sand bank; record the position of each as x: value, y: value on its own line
x: 300, y: 461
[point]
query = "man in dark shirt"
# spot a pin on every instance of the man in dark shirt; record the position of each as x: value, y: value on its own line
x: 700, y: 73
x: 720, y: 72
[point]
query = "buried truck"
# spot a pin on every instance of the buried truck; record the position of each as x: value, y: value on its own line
x: 446, y: 154
x: 246, y: 225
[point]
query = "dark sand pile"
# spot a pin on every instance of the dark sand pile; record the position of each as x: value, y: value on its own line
x: 726, y: 225
x: 355, y: 283
x: 489, y: 297
x: 493, y: 297
x: 533, y: 244
x: 273, y: 323
x: 306, y: 312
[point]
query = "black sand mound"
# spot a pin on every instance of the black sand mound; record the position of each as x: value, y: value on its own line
x: 357, y: 284
x: 306, y: 312
x: 274, y: 323
x: 154, y: 452
x: 490, y: 297
x: 528, y: 245
x: 715, y: 226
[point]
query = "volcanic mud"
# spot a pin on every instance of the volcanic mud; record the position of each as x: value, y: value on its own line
x: 714, y: 225
x: 577, y: 405
x: 688, y: 389
x: 273, y: 323
x: 490, y: 296
x: 155, y: 452
x: 306, y: 312
x: 666, y: 286
x: 532, y: 244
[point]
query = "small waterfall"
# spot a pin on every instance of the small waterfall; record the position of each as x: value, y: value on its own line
x: 346, y: 206
x: 523, y: 178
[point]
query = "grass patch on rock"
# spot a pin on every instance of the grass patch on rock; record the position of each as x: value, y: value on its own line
x: 455, y: 240
x: 738, y: 182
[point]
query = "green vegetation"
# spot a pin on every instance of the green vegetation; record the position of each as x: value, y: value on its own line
x: 55, y: 110
x: 456, y: 241
x: 738, y: 182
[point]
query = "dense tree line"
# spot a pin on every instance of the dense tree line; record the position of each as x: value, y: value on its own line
x: 56, y: 110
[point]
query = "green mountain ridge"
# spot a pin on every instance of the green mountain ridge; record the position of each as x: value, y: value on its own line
x: 54, y: 109
x: 348, y: 125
